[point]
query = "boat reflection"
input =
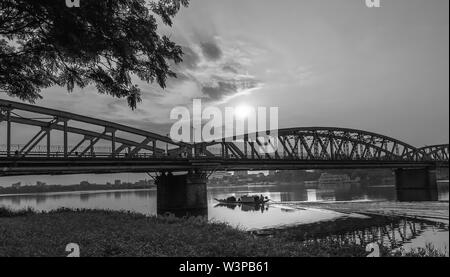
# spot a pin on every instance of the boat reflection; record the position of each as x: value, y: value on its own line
x: 245, y: 207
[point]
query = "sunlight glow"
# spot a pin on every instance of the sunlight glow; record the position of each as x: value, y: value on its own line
x: 242, y: 111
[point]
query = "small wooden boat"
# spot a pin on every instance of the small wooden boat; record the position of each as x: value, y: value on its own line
x: 224, y: 201
x: 249, y: 200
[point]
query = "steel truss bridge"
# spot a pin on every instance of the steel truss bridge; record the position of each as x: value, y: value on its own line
x: 67, y: 143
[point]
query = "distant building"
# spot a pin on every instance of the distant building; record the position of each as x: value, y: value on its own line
x: 16, y: 185
x: 272, y: 172
x: 220, y: 175
x: 117, y: 182
x: 261, y: 175
x: 327, y: 180
x: 40, y: 184
x: 241, y: 173
x: 143, y: 183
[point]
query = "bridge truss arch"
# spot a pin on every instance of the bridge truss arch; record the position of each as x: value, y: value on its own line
x: 436, y: 152
x: 320, y: 143
x: 87, y: 137
x: 79, y: 136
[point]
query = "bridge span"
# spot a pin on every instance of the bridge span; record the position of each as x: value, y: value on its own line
x: 68, y: 143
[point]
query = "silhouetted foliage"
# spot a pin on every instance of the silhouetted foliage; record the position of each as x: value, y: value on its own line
x: 103, y: 42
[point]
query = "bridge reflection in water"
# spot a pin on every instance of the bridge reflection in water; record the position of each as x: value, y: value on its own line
x: 396, y: 235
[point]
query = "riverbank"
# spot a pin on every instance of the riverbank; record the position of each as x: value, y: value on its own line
x: 111, y: 233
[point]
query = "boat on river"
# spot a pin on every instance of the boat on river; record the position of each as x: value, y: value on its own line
x: 246, y: 199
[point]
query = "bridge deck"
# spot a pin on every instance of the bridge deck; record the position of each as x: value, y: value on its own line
x: 58, y: 166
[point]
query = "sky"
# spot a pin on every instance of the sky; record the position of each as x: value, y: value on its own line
x: 321, y: 62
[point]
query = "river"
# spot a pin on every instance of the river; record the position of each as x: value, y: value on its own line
x: 244, y: 217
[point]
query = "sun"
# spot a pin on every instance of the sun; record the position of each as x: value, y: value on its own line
x: 243, y: 111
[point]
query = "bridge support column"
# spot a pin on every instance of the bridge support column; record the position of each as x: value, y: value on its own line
x: 416, y: 184
x: 182, y: 195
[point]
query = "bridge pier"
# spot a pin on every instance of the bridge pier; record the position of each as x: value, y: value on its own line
x: 416, y: 184
x: 182, y: 195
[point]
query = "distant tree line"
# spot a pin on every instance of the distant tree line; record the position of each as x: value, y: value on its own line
x: 78, y: 187
x: 369, y: 177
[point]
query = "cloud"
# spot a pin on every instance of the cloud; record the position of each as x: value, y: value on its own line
x: 215, y: 70
x: 224, y: 88
x: 211, y: 50
x: 190, y: 58
x: 221, y: 89
x: 230, y: 68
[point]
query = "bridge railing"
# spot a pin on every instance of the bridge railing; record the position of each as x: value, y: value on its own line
x: 104, y: 152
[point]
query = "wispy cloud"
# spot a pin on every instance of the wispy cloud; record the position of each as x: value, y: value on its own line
x: 216, y: 70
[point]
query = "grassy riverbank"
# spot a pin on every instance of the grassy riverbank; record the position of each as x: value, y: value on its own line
x: 110, y: 233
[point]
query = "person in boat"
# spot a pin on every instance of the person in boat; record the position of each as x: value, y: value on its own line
x: 231, y: 199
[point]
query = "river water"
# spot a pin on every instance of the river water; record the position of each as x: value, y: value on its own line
x: 248, y: 217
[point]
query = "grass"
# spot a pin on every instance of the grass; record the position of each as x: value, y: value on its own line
x: 427, y: 251
x: 113, y: 233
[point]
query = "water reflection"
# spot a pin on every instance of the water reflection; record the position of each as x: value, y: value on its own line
x: 245, y: 207
x: 404, y: 233
x: 143, y: 201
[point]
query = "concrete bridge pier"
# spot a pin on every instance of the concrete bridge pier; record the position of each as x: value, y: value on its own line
x: 416, y: 184
x: 182, y: 195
